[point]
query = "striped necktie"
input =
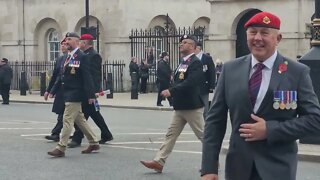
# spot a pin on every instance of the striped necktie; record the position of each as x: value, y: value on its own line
x: 66, y: 62
x: 255, y: 83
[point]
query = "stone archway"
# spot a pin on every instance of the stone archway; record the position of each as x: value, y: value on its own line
x: 40, y: 36
x: 241, y: 42
x: 93, y: 22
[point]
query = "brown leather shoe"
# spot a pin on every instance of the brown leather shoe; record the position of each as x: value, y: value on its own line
x: 153, y: 165
x: 56, y: 153
x: 90, y: 149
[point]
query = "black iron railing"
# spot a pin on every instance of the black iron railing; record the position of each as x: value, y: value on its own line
x: 147, y: 44
x: 33, y: 69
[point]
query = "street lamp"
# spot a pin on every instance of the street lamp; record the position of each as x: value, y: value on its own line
x: 312, y: 59
x: 87, y: 13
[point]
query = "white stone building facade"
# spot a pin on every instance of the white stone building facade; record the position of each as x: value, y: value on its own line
x: 31, y: 29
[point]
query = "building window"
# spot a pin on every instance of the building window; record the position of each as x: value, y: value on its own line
x: 53, y: 45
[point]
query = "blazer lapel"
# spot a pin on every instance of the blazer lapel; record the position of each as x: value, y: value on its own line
x: 245, y: 66
x: 275, y: 80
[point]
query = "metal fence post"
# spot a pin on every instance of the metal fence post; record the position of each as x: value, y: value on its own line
x: 42, y: 83
x: 23, y: 84
x: 134, y: 85
x: 109, y: 86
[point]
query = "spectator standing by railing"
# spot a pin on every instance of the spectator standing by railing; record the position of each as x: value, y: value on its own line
x: 5, y: 80
x: 218, y: 69
x: 144, y: 75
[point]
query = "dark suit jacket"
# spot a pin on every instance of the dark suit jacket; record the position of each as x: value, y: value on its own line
x: 186, y: 91
x: 133, y: 67
x: 209, y: 74
x: 276, y: 157
x: 58, y: 103
x: 163, y: 72
x: 95, y: 61
x: 77, y: 86
x: 6, y: 74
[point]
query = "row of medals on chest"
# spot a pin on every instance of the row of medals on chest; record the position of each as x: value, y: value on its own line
x: 73, y: 64
x: 182, y: 69
x: 285, y: 100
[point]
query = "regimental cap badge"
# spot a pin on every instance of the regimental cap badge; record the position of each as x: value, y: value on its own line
x: 266, y: 20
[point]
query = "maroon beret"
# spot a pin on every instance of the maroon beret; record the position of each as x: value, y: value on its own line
x: 63, y: 40
x: 264, y: 19
x: 86, y: 37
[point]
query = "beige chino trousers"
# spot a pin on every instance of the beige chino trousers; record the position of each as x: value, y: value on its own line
x: 180, y: 118
x: 73, y: 114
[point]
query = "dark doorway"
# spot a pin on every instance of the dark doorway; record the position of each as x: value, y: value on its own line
x: 241, y: 42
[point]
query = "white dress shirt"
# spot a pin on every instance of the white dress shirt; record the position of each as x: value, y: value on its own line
x: 266, y: 76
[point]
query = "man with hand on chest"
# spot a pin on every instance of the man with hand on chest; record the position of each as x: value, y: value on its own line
x: 271, y: 103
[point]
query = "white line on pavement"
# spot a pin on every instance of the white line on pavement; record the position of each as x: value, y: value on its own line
x: 25, y: 135
x: 148, y: 142
x: 153, y: 149
x: 22, y: 128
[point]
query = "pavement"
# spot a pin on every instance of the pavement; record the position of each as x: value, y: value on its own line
x: 307, y: 152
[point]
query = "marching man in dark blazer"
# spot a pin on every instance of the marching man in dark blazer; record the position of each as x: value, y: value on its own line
x: 58, y: 103
x: 89, y: 110
x: 77, y: 85
x: 209, y: 74
x: 187, y: 101
x: 271, y: 102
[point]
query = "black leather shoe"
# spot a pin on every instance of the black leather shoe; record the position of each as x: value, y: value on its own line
x: 103, y: 141
x: 159, y: 105
x: 55, y: 138
x: 73, y: 144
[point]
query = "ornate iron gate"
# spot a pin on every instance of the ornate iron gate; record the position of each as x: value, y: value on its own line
x: 148, y: 44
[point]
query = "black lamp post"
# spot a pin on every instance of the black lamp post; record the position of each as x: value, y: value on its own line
x: 312, y: 59
x: 87, y: 13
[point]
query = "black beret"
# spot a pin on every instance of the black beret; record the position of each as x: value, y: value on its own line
x: 4, y: 60
x: 72, y: 34
x: 186, y: 36
x: 163, y: 54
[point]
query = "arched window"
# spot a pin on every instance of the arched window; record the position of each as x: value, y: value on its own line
x: 53, y: 45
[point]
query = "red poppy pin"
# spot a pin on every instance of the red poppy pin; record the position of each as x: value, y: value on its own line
x: 283, y: 67
x: 101, y: 93
x: 75, y: 55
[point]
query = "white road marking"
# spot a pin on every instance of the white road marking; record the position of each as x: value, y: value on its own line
x: 148, y: 142
x: 22, y: 128
x: 26, y: 135
x: 25, y: 122
x: 31, y: 135
x: 153, y: 149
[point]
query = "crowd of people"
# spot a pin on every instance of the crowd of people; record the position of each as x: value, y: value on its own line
x: 269, y: 98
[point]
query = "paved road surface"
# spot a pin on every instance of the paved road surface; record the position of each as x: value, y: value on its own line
x: 138, y: 135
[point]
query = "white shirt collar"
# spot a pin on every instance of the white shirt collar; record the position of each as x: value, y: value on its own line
x: 268, y: 63
x: 74, y: 51
x: 199, y: 55
x: 187, y: 57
